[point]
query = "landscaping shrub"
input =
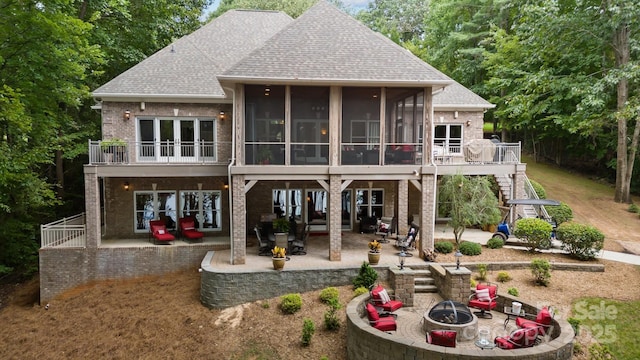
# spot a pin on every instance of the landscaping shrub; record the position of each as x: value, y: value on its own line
x: 265, y: 305
x: 366, y: 277
x: 513, y: 291
x: 561, y: 213
x: 473, y: 283
x: 581, y: 241
x: 443, y: 247
x: 541, y: 270
x: 542, y: 193
x: 482, y: 272
x: 331, y: 321
x: 329, y: 293
x: 599, y: 351
x: 470, y: 248
x: 495, y: 243
x: 535, y: 232
x: 308, y: 328
x: 503, y: 276
x: 575, y: 324
x: 290, y: 303
x: 634, y: 208
x: 359, y: 291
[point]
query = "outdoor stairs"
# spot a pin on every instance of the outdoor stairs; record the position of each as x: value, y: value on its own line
x: 504, y: 183
x: 424, y: 283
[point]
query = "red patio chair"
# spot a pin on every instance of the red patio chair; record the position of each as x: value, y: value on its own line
x: 542, y: 322
x: 484, y: 299
x: 159, y: 232
x: 519, y: 338
x: 442, y: 337
x: 385, y: 323
x: 381, y: 299
x: 187, y: 226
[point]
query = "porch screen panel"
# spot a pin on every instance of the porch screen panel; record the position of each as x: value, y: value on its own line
x: 360, y: 126
x: 264, y: 124
x: 309, y: 125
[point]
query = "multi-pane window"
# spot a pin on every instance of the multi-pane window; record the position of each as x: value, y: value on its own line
x: 205, y: 206
x: 174, y: 138
x: 287, y: 203
x: 369, y: 202
x: 152, y: 205
x: 448, y: 138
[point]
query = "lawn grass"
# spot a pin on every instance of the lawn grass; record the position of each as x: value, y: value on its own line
x: 614, y: 324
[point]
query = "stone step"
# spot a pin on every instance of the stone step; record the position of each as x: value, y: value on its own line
x: 421, y: 289
x: 424, y: 281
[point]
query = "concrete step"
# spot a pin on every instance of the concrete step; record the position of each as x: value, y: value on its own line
x: 424, y: 281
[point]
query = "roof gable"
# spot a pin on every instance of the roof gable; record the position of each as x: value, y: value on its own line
x: 188, y: 67
x: 326, y: 45
x: 456, y: 96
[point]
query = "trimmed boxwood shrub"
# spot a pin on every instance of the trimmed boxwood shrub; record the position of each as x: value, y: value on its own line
x: 561, y: 213
x: 290, y: 303
x: 581, y: 241
x: 469, y: 248
x: 366, y: 277
x: 541, y: 270
x: 503, y: 276
x: 359, y: 291
x: 443, y: 247
x: 495, y: 243
x: 535, y: 232
x: 542, y: 193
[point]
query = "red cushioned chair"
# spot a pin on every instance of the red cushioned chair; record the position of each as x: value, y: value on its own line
x: 542, y: 322
x: 385, y: 323
x: 484, y: 298
x: 442, y: 337
x: 519, y: 338
x: 159, y: 232
x: 187, y: 226
x: 381, y: 299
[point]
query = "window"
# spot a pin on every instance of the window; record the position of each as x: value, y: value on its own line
x: 205, y: 206
x: 173, y: 138
x: 448, y: 137
x: 369, y: 202
x: 150, y: 205
x: 288, y: 203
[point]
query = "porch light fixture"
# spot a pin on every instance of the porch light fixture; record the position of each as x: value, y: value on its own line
x: 323, y: 131
x: 468, y: 122
x: 458, y: 255
x: 401, y: 258
x: 221, y: 115
x: 225, y: 185
x: 416, y: 173
x: 127, y: 114
x: 126, y: 186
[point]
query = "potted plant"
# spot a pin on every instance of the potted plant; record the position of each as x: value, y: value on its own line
x: 374, y: 252
x: 279, y: 257
x: 281, y: 228
x: 263, y: 155
x: 113, y: 149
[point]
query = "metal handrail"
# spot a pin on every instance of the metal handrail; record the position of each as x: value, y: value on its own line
x: 66, y: 232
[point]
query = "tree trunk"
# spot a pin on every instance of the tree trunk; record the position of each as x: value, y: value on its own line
x: 60, y: 174
x: 624, y: 161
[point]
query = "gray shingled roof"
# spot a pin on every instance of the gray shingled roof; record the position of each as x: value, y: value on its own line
x: 188, y: 67
x: 325, y: 45
x: 456, y: 96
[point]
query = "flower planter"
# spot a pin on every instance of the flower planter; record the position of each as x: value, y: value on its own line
x: 374, y: 257
x: 278, y: 263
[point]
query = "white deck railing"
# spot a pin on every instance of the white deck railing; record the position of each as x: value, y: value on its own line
x: 172, y: 152
x: 67, y: 232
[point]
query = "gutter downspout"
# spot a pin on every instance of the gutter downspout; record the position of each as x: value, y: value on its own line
x: 435, y: 167
x: 229, y: 177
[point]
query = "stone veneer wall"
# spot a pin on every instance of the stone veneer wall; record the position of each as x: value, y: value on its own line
x: 62, y: 269
x: 229, y: 287
x: 367, y: 343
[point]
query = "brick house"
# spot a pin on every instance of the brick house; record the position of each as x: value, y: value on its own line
x: 318, y: 119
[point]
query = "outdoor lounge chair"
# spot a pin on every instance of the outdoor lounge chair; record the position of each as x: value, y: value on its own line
x: 484, y: 299
x: 385, y: 228
x: 382, y: 323
x: 299, y: 245
x: 408, y: 243
x: 519, y: 338
x: 187, y: 226
x: 542, y: 322
x: 442, y: 337
x: 159, y: 232
x: 380, y: 299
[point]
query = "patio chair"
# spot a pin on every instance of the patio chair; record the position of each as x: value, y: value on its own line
x: 519, y: 338
x: 159, y: 232
x: 264, y: 249
x: 384, y: 323
x: 299, y: 245
x: 542, y: 322
x: 187, y: 226
x: 442, y: 337
x: 385, y: 227
x: 408, y: 243
x: 380, y: 298
x: 484, y: 299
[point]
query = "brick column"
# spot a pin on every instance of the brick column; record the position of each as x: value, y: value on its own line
x: 335, y: 218
x: 518, y: 185
x: 427, y: 214
x: 403, y: 207
x: 457, y: 284
x: 239, y: 218
x: 403, y: 284
x: 92, y: 206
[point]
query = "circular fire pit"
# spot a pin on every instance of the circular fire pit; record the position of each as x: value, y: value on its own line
x: 452, y: 315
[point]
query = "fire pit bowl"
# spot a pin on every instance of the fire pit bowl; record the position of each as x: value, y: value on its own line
x: 452, y: 315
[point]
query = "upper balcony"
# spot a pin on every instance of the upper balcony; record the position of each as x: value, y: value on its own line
x: 165, y: 152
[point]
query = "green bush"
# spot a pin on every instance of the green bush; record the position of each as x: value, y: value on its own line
x: 308, y: 328
x: 541, y: 270
x: 495, y: 243
x: 443, y: 247
x: 535, y: 232
x: 331, y: 321
x: 265, y: 305
x: 329, y: 293
x: 482, y: 272
x: 561, y: 213
x: 581, y: 241
x: 366, y: 277
x: 503, y: 276
x: 290, y: 303
x: 575, y: 324
x: 599, y: 351
x: 359, y: 291
x: 634, y: 208
x: 473, y: 283
x: 469, y: 248
x: 513, y: 291
x: 542, y: 193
